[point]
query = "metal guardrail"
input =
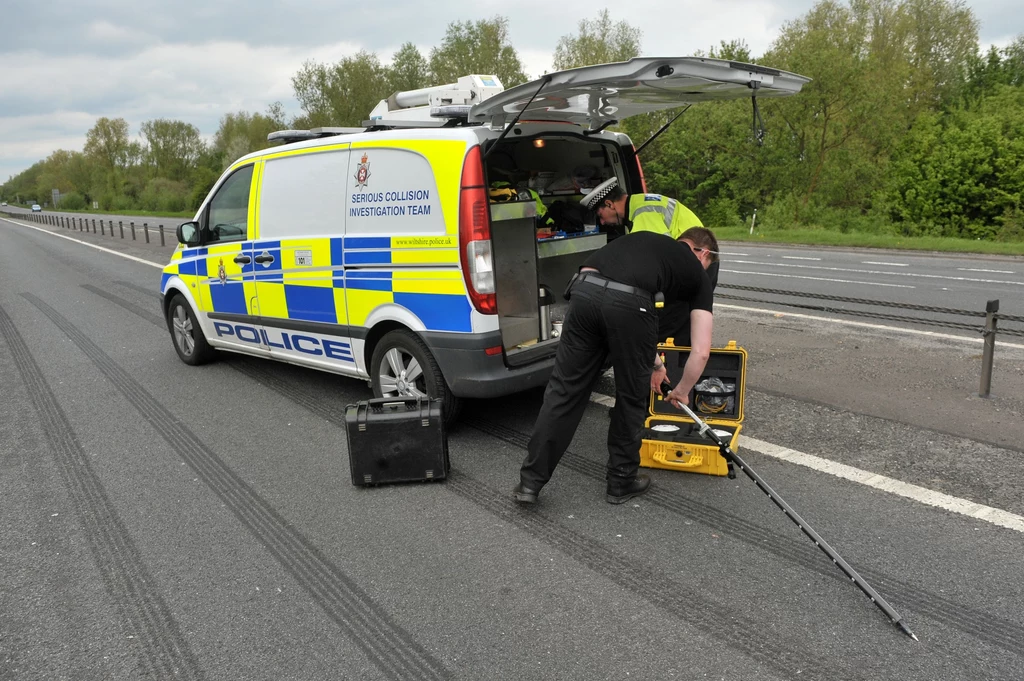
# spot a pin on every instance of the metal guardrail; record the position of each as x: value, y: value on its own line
x: 987, y: 330
x: 86, y: 224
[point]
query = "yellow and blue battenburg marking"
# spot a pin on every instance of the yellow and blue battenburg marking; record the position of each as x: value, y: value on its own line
x: 321, y: 289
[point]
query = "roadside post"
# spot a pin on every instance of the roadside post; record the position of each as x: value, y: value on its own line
x: 991, y: 308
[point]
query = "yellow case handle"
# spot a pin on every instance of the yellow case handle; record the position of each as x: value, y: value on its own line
x: 694, y: 459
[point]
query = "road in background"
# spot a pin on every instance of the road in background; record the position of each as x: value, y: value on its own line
x: 958, y: 282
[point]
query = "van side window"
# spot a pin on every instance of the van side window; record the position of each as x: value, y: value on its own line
x: 227, y: 217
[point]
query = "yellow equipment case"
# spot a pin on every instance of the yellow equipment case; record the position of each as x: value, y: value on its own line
x: 671, y: 440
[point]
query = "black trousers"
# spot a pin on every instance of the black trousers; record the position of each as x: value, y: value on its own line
x: 600, y: 324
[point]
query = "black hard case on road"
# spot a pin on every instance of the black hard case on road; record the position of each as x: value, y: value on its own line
x: 396, y: 440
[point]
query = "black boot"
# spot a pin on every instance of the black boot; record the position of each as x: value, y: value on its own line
x: 619, y: 493
x: 525, y: 495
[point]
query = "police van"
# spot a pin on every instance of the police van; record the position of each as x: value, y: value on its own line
x: 409, y: 252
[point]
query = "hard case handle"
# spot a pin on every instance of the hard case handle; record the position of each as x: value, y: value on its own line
x: 378, y: 404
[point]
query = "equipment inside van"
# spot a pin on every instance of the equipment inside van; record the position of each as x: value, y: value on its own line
x: 424, y: 252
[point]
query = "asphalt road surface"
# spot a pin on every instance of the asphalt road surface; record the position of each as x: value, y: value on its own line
x: 166, y: 521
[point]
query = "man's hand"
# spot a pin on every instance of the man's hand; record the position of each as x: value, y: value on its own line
x: 677, y: 397
x: 659, y: 376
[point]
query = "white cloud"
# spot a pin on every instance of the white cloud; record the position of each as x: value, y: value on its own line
x: 105, y: 32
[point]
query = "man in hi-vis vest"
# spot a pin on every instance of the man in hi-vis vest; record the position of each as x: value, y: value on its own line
x: 641, y: 212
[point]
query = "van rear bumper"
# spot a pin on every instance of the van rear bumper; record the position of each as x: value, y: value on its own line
x: 471, y: 372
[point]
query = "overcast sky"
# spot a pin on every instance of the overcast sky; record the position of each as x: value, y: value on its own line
x: 66, y: 63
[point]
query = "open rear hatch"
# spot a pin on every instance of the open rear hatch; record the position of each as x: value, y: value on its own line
x: 537, y: 176
x: 593, y: 96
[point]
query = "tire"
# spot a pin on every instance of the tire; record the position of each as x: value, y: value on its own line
x: 186, y: 334
x: 401, y: 353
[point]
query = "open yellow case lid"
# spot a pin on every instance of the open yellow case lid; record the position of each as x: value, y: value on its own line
x: 715, y: 404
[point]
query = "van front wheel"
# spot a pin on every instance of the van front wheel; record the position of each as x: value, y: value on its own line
x: 189, y: 341
x: 402, y: 366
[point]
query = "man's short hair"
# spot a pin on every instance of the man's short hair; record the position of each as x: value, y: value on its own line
x: 615, y: 194
x: 702, y: 237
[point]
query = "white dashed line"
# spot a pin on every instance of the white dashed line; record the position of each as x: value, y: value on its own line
x: 891, y: 274
x: 778, y: 314
x: 891, y: 264
x: 968, y: 269
x: 797, y: 257
x: 837, y: 281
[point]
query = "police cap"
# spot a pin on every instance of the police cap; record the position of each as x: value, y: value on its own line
x: 598, y: 193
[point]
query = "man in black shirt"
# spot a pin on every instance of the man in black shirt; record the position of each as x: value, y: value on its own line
x: 612, y: 314
x: 674, y: 319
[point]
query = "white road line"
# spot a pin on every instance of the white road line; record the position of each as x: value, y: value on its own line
x: 968, y: 269
x: 893, y: 264
x: 797, y: 257
x: 86, y: 243
x: 730, y: 253
x: 891, y: 274
x: 837, y: 281
x: 777, y: 314
x: 922, y: 495
x: 886, y: 484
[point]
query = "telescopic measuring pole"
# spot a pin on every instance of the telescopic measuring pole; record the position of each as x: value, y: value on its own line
x: 731, y: 457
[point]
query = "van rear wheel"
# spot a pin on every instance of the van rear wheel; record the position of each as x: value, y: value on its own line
x: 402, y: 366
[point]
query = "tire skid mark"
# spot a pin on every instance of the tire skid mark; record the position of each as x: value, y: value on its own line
x: 999, y: 632
x: 163, y: 651
x: 131, y: 307
x: 389, y: 647
x: 693, y: 607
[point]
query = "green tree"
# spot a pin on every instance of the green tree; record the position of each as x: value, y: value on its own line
x: 242, y: 133
x: 960, y: 174
x: 997, y: 67
x: 941, y: 38
x: 481, y: 47
x: 409, y: 69
x: 342, y: 94
x: 107, y: 145
x: 174, y: 147
x: 57, y: 173
x: 598, y: 41
x: 867, y: 61
x: 733, y: 50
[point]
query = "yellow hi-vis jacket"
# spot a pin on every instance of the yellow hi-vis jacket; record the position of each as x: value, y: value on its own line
x: 659, y: 214
x: 542, y: 210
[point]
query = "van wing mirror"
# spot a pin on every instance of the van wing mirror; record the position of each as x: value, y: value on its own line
x: 188, y: 233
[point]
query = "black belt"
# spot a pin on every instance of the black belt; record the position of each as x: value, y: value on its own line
x: 597, y: 280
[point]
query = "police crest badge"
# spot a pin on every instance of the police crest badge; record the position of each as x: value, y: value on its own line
x: 363, y: 171
x: 222, y: 273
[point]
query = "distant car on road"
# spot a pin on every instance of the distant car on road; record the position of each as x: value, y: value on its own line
x: 4, y: 203
x: 36, y: 208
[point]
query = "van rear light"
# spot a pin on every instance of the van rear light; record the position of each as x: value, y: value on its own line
x: 496, y: 350
x: 475, y: 235
x: 481, y: 266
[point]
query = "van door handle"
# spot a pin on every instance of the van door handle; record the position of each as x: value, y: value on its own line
x: 264, y: 257
x: 242, y: 259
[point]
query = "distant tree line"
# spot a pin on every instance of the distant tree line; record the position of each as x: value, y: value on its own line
x: 906, y: 128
